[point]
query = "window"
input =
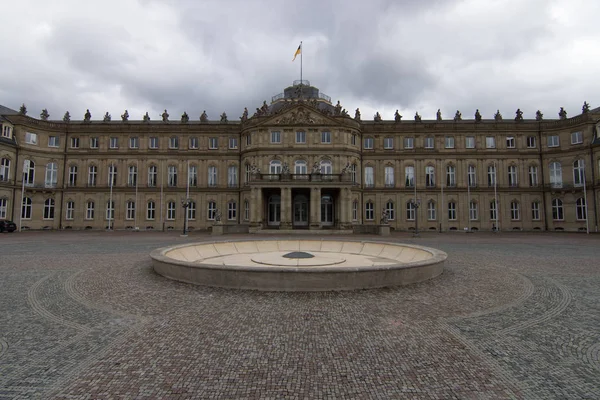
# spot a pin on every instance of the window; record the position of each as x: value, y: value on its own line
x: 193, y: 143
x: 132, y: 176
x: 213, y: 143
x: 134, y: 142
x: 326, y: 167
x: 429, y: 142
x: 369, y: 177
x: 390, y: 210
x: 449, y: 142
x: 430, y: 176
x: 171, y: 208
x: 4, y: 169
x: 355, y: 210
x: 389, y: 176
x: 470, y: 142
x: 110, y: 210
x: 581, y: 209
x: 451, y: 211
x: 473, y: 212
x: 248, y: 139
x: 73, y: 175
x: 246, y: 210
x: 232, y: 176
x: 172, y: 176
x: 325, y: 137
x: 3, y: 207
x: 112, y: 175
x: 515, y: 210
x: 535, y: 211
x: 353, y: 173
x: 53, y: 141
x: 74, y: 142
x: 173, y: 142
x: 431, y: 212
x: 114, y: 143
x: 6, y: 132
x: 150, y: 210
x: 130, y: 214
x: 212, y: 176
x: 300, y: 167
x: 388, y: 143
x: 471, y: 176
x: 510, y: 142
x: 192, y: 175
x: 49, y: 209
x: 275, y: 167
x: 26, y: 208
x: 353, y: 139
x: 369, y: 211
x: 409, y: 143
x: 93, y: 143
x: 368, y: 143
x: 29, y: 168
x: 557, y: 210
x: 231, y: 210
x: 490, y: 142
x: 31, y: 138
x: 89, y: 210
x: 153, y: 143
x: 555, y: 175
x: 450, y: 175
x: 512, y: 176
x: 233, y: 143
x: 493, y: 211
x: 578, y: 173
x: 410, y: 211
x: 409, y: 176
x: 248, y: 173
x: 491, y: 175
x: 553, y: 141
x: 577, y: 137
x: 276, y: 137
x: 51, y: 174
x: 212, y: 210
x: 152, y: 175
x: 531, y: 144
x: 191, y: 210
x: 92, y: 174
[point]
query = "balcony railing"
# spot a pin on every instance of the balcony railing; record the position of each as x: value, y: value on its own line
x: 301, y: 178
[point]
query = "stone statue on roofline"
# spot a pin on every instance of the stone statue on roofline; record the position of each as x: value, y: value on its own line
x: 204, y: 117
x: 539, y: 116
x: 497, y: 116
x: 585, y: 108
x: 377, y: 117
x: 438, y: 115
x: 185, y: 118
x: 44, y: 115
x: 338, y: 109
x: 224, y: 117
x: 125, y: 116
x: 23, y: 109
x: 264, y: 108
x: 165, y: 116
x: 244, y: 116
x: 397, y: 116
x: 562, y: 114
x: 67, y: 117
x: 107, y: 117
x: 345, y: 113
x: 519, y: 115
x: 417, y: 117
x: 477, y: 116
x: 88, y: 116
x: 457, y: 116
x: 357, y: 114
x: 146, y: 117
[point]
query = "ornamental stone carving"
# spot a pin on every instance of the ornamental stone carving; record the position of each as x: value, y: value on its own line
x: 224, y: 117
x: 585, y: 108
x: 107, y: 117
x: 562, y: 114
x: 125, y: 116
x: 417, y: 117
x: 377, y: 117
x: 397, y: 116
x: 165, y: 116
x: 88, y: 116
x: 438, y: 115
x: 338, y: 109
x: 539, y: 116
x: 146, y: 117
x: 519, y: 115
x: 477, y: 116
x: 67, y: 117
x: 44, y: 115
x: 457, y: 116
x: 301, y: 116
x: 185, y: 118
x: 23, y: 109
x: 497, y: 116
x: 204, y: 117
x: 244, y: 116
x: 357, y: 114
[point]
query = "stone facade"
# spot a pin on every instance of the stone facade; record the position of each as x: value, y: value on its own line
x: 301, y: 163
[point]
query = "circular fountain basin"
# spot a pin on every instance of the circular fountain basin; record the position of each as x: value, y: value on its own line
x: 298, y: 265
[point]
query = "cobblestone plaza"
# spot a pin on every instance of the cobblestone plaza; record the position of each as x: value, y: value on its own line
x: 83, y: 315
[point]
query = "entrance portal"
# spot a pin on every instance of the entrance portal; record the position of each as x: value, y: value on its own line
x: 274, y: 210
x: 326, y: 210
x: 300, y: 210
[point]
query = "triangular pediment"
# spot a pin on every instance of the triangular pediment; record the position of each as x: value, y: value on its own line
x: 298, y: 114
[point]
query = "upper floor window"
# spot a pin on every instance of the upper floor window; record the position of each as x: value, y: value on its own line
x: 409, y: 143
x: 429, y: 142
x: 248, y: 139
x: 275, y: 167
x: 577, y: 137
x: 491, y: 175
x: 93, y: 143
x: 31, y: 138
x: 512, y: 176
x: 153, y: 143
x: 369, y: 177
x: 114, y: 143
x: 578, y: 173
x: 389, y: 176
x: 213, y: 143
x: 533, y: 175
x: 6, y: 131
x: 173, y: 142
x: 449, y: 142
x: 450, y: 176
x: 92, y: 175
x: 430, y: 176
x: 53, y: 141
x: 212, y: 176
x: 531, y: 142
x: 490, y: 142
x: 555, y: 174
x: 232, y: 176
x: 353, y: 173
x: 134, y: 142
x: 326, y: 167
x: 275, y: 137
x: 471, y: 176
x: 4, y: 169
x: 132, y: 176
x: 192, y: 175
x: 470, y: 142
x: 152, y: 175
x: 409, y: 176
x: 353, y: 139
x: 553, y: 141
x: 193, y: 143
x: 73, y: 175
x: 325, y: 137
x: 29, y: 171
x: 51, y: 174
x: 233, y: 143
x: 112, y: 175
x: 510, y: 142
x: 300, y: 167
x: 172, y: 176
x: 74, y: 142
x: 368, y: 143
x: 388, y: 143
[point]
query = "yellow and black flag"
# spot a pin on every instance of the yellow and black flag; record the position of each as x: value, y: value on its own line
x: 299, y: 51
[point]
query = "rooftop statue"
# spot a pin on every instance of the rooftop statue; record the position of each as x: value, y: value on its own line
x: 146, y: 117
x: 223, y: 117
x: 357, y: 114
x: 204, y: 117
x: 338, y: 109
x: 585, y: 108
x: 185, y: 118
x: 562, y: 114
x: 498, y: 116
x: 23, y: 109
x: 519, y: 115
x: 377, y: 117
x: 458, y: 116
x: 44, y: 115
x: 264, y: 108
x: 397, y: 116
x: 165, y: 116
x: 477, y: 115
x: 539, y: 116
x: 345, y: 113
x: 244, y: 116
x: 125, y: 116
x: 88, y: 116
x: 417, y: 117
x: 438, y: 115
x: 67, y: 117
x: 107, y: 117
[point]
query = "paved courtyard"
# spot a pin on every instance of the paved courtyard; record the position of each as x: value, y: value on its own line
x: 515, y: 315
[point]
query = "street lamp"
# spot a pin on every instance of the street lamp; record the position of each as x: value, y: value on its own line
x: 416, y: 203
x: 185, y: 203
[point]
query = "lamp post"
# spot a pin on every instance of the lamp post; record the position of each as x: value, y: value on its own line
x: 185, y: 203
x: 416, y: 203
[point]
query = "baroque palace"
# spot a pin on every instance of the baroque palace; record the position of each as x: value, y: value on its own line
x: 301, y: 163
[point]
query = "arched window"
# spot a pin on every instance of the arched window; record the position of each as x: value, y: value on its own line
x: 369, y: 211
x: 430, y: 176
x: 473, y: 211
x: 369, y: 177
x: 555, y: 174
x: 578, y: 172
x: 275, y: 167
x: 472, y: 176
x: 29, y: 170
x: 132, y: 176
x: 326, y: 167
x: 26, y: 208
x: 150, y: 210
x: 491, y: 175
x: 581, y: 209
x: 450, y: 175
x: 49, y: 209
x: 557, y: 210
x: 409, y: 176
x: 172, y: 176
x: 515, y: 210
x: 300, y: 167
x: 391, y: 210
x: 51, y: 174
x: 512, y: 176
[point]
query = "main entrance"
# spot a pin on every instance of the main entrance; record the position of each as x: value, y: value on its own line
x: 327, y: 210
x: 300, y: 211
x: 274, y: 210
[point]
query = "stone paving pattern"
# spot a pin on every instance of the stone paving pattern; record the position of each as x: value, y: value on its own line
x: 515, y: 316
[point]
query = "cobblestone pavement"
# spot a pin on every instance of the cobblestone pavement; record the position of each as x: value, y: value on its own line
x: 515, y: 315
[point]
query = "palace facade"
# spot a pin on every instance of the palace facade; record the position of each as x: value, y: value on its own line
x: 301, y: 163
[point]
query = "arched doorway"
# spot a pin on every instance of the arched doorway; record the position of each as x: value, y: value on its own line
x: 274, y: 210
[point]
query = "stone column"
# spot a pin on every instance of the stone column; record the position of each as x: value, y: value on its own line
x: 286, y: 208
x: 315, y: 208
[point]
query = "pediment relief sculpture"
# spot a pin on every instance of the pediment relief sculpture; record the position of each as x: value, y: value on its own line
x: 300, y: 116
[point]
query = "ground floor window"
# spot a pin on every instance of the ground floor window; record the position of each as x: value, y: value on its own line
x: 171, y: 210
x: 130, y: 210
x: 355, y: 210
x: 49, y: 209
x: 535, y: 211
x: 557, y: 210
x: 89, y: 211
x: 231, y: 210
x: 110, y: 210
x: 369, y: 211
x: 431, y: 213
x: 26, y: 208
x: 410, y: 211
x: 390, y: 210
x: 493, y: 211
x: 515, y: 211
x: 70, y: 210
x: 191, y: 210
x: 151, y: 210
x: 473, y: 214
x: 212, y: 210
x: 581, y: 209
x: 451, y: 211
x: 3, y: 207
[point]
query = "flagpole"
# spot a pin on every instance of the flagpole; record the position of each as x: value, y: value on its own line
x: 111, y: 209
x: 162, y: 177
x: 187, y: 198
x: 26, y: 163
x: 442, y: 203
x: 587, y: 220
x: 496, y: 194
x: 301, y: 63
x: 468, y: 200
x: 137, y: 172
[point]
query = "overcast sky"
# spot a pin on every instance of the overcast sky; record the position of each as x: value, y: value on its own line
x: 194, y: 55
